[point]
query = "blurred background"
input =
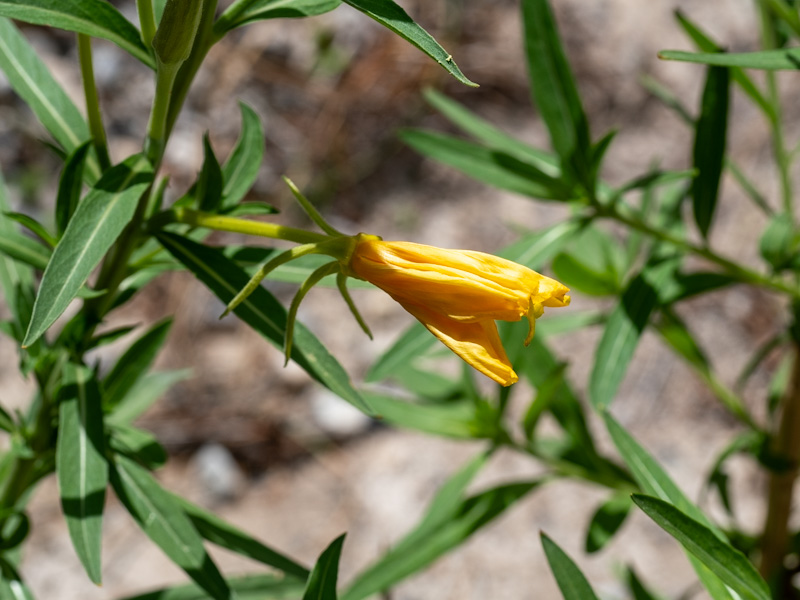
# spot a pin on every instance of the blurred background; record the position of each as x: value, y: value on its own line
x: 278, y: 455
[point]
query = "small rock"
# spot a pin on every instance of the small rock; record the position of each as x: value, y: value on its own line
x: 221, y: 477
x: 336, y: 417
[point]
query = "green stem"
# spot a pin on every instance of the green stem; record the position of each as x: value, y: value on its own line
x: 786, y: 446
x: 157, y: 130
x: 269, y: 230
x: 147, y: 21
x: 92, y: 102
x: 782, y: 157
x: 228, y: 18
x: 739, y: 272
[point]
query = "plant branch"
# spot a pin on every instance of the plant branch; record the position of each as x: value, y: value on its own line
x: 92, y: 103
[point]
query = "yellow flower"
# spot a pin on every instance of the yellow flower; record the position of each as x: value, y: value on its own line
x: 458, y: 295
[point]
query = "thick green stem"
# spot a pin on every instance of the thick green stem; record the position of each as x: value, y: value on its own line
x: 92, y: 103
x: 733, y: 269
x: 157, y: 130
x: 269, y: 230
x: 147, y: 21
x: 786, y: 448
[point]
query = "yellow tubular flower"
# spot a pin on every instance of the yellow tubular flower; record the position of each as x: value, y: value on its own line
x: 458, y: 295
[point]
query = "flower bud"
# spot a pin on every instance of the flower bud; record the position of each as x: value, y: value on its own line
x: 176, y: 32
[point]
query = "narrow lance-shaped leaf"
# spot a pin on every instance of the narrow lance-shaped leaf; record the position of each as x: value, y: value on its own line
x: 263, y: 313
x: 322, y: 581
x: 554, y: 90
x: 571, y: 581
x: 768, y: 60
x: 248, y: 587
x: 243, y: 13
x: 13, y: 275
x: 164, y: 522
x: 709, y: 146
x: 393, y: 17
x: 92, y: 17
x: 208, y: 189
x: 730, y: 565
x: 241, y: 169
x: 30, y: 78
x: 69, y: 185
x: 81, y: 466
x: 133, y: 364
x: 97, y: 223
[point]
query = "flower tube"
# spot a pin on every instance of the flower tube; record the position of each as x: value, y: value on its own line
x: 458, y: 295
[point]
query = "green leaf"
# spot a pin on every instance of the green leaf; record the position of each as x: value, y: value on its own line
x: 555, y: 92
x: 138, y: 444
x: 730, y: 565
x: 322, y: 581
x: 621, y: 334
x: 223, y: 534
x: 455, y: 419
x: 24, y: 249
x: 69, y: 185
x: 144, y: 393
x: 92, y: 17
x: 571, y: 581
x: 133, y: 364
x: 14, y: 277
x: 208, y: 189
x: 257, y: 10
x: 653, y: 480
x: 768, y: 60
x: 574, y: 273
x: 81, y: 466
x: 30, y: 78
x: 245, y: 209
x: 413, y: 343
x: 247, y: 587
x: 606, y: 521
x: 33, y: 226
x: 709, y: 146
x: 438, y: 533
x: 263, y: 313
x: 395, y: 19
x: 495, y: 167
x: 97, y: 222
x: 680, y: 286
x: 11, y: 585
x: 241, y: 169
x: 165, y: 523
x: 638, y: 591
x: 491, y: 136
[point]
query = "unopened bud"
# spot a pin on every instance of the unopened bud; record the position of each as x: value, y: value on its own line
x: 176, y: 32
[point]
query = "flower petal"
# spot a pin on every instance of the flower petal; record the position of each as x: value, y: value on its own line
x: 476, y: 343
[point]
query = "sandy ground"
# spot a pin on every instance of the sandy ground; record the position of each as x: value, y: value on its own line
x: 296, y: 488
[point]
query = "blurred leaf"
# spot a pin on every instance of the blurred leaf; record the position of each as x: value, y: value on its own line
x: 165, y: 523
x: 263, y: 313
x: 579, y: 276
x: 424, y: 383
x: 246, y: 587
x: 555, y: 93
x: 97, y: 222
x: 491, y: 136
x: 450, y: 419
x: 11, y: 585
x: 137, y: 444
x: 709, y: 146
x: 208, y: 189
x: 133, y: 364
x: 225, y: 535
x: 606, y: 521
x: 33, y: 226
x: 395, y: 19
x: 495, y: 167
x: 30, y: 78
x: 92, y: 17
x: 22, y: 248
x: 144, y: 393
x: 69, y: 186
x: 706, y: 44
x: 450, y: 520
x: 537, y: 248
x: 245, y: 209
x: 414, y: 342
x: 749, y: 442
x: 679, y: 286
x: 571, y: 581
x: 622, y: 332
x: 107, y: 337
x: 653, y: 480
x: 81, y: 465
x: 638, y: 591
x: 757, y: 357
x: 769, y: 60
x: 14, y: 277
x: 241, y: 169
x: 255, y: 10
x: 778, y: 384
x: 542, y: 402
x: 730, y: 565
x: 777, y: 244
x: 322, y: 581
